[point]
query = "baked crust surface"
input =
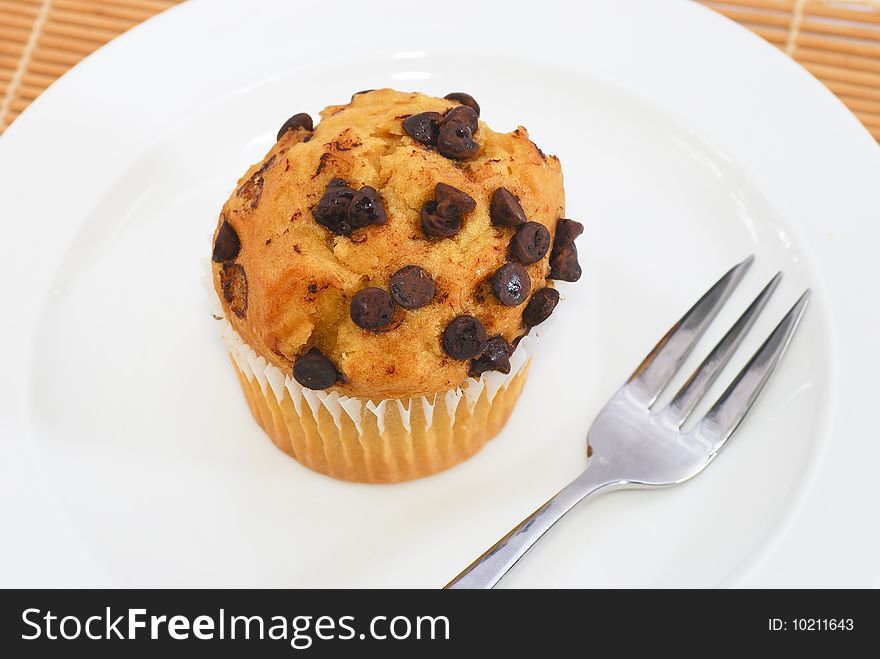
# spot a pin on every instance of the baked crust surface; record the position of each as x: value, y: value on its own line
x: 299, y: 277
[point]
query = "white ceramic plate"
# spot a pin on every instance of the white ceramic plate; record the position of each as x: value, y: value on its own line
x: 128, y: 454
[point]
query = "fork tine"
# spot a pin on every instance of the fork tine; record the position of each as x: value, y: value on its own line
x: 695, y: 388
x: 657, y: 369
x: 731, y: 408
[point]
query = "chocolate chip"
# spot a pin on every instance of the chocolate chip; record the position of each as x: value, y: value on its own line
x: 342, y: 209
x: 452, y: 201
x: 322, y: 163
x: 464, y: 115
x: 423, y: 127
x: 441, y: 217
x: 437, y: 226
x: 505, y: 209
x: 252, y: 189
x: 456, y: 141
x: 233, y: 283
x: 226, y: 244
x: 314, y: 371
x: 412, y: 287
x: 564, y: 264
x: 540, y: 307
x: 464, y: 99
x: 301, y: 120
x: 566, y: 231
x: 464, y: 338
x: 371, y: 308
x: 511, y: 284
x: 332, y: 209
x: 530, y: 243
x: 366, y: 208
x: 496, y: 357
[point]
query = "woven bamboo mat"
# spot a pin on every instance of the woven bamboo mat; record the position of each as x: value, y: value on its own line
x: 836, y: 40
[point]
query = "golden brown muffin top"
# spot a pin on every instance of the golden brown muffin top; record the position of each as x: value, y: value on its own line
x: 287, y: 282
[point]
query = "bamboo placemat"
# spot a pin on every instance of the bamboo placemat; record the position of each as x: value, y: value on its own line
x: 836, y: 40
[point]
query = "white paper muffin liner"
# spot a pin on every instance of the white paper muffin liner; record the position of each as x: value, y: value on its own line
x: 269, y: 375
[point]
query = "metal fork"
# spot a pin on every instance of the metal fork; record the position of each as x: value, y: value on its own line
x: 635, y: 446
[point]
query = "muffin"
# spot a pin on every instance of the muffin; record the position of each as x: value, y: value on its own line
x: 380, y: 273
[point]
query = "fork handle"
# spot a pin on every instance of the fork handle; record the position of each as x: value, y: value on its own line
x: 488, y: 569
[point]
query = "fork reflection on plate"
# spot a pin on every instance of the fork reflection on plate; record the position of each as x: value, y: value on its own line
x: 634, y: 445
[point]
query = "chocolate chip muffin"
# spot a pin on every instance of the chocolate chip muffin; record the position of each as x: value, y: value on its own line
x: 379, y: 272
